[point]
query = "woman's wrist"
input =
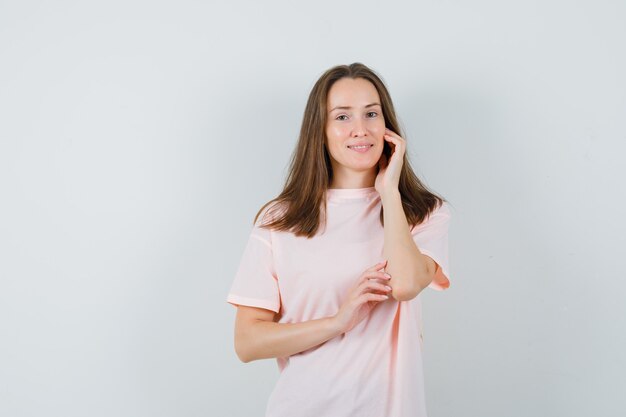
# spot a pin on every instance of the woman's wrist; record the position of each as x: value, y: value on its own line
x: 390, y: 195
x: 334, y: 326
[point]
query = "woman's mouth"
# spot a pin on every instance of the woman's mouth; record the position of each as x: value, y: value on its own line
x: 360, y: 148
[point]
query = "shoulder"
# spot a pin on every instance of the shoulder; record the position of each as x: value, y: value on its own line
x: 442, y: 209
x: 439, y: 216
x: 269, y: 213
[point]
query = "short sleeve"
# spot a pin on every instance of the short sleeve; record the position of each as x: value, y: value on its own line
x: 431, y: 238
x: 255, y: 283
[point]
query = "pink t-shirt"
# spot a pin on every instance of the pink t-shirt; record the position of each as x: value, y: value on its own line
x: 375, y: 369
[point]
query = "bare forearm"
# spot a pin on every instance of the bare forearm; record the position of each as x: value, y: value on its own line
x: 267, y: 339
x: 405, y: 263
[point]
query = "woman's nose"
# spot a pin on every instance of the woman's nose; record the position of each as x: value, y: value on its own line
x: 358, y: 128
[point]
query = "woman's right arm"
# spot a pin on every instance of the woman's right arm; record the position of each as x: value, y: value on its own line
x: 258, y: 336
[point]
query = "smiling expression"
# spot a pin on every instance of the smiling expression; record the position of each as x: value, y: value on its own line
x: 355, y: 125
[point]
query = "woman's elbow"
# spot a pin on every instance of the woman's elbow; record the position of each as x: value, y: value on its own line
x: 402, y: 294
x: 408, y: 293
x: 243, y: 353
x: 244, y: 334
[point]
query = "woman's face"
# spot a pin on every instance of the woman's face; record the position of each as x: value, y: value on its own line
x: 354, y: 118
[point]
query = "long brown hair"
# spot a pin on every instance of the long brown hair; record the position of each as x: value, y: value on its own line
x: 298, y: 208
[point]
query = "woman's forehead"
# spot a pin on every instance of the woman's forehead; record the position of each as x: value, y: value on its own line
x: 348, y: 93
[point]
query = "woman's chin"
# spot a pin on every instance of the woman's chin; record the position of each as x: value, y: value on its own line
x: 362, y: 166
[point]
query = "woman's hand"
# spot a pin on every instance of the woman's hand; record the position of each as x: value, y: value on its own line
x: 365, y: 295
x: 389, y: 171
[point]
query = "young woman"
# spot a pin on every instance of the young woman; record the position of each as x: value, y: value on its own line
x: 330, y: 279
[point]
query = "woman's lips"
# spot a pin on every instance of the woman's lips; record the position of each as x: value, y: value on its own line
x: 360, y: 149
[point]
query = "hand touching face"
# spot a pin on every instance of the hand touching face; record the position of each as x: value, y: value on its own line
x: 388, y: 176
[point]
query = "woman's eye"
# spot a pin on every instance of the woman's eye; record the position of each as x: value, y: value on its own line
x: 370, y: 114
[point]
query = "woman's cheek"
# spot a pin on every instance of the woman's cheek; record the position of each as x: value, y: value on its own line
x: 337, y: 131
x: 378, y: 128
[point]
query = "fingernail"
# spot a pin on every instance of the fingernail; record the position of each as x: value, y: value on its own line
x: 387, y: 275
x: 388, y: 287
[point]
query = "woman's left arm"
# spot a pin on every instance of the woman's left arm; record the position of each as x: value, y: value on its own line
x: 410, y: 270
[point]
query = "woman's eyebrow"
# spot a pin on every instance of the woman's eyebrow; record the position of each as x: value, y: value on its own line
x: 348, y: 107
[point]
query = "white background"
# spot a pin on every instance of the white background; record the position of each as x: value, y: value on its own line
x: 138, y: 139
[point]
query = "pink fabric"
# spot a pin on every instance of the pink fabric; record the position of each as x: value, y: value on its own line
x: 375, y: 369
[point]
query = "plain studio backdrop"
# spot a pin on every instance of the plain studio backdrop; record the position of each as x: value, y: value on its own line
x: 139, y: 139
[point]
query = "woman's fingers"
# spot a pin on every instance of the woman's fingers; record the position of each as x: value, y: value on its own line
x: 373, y: 285
x: 373, y: 282
x: 377, y: 266
x: 375, y: 275
x: 379, y: 282
x: 370, y: 296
